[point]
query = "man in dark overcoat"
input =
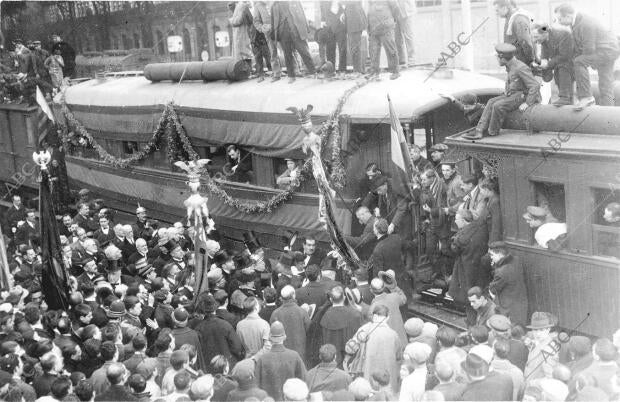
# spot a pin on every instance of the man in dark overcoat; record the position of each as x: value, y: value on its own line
x: 387, y: 253
x: 364, y: 244
x: 596, y: 47
x: 217, y: 336
x: 508, y: 284
x: 290, y: 28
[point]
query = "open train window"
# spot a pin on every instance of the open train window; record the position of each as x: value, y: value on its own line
x: 217, y: 154
x: 548, y: 220
x: 288, y: 171
x: 606, y: 222
x: 551, y: 196
x: 130, y: 147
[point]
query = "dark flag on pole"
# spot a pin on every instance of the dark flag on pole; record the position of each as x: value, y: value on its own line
x: 54, y: 283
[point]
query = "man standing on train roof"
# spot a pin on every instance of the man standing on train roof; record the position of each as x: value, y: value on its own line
x: 596, y: 47
x: 290, y: 28
x: 516, y: 28
x: 522, y: 90
x: 381, y: 25
x: 556, y: 60
x: 547, y: 226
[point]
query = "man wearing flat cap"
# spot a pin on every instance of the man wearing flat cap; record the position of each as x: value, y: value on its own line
x: 556, y: 60
x: 508, y: 284
x: 522, y: 90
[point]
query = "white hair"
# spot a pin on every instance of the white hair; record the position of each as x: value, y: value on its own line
x: 140, y: 242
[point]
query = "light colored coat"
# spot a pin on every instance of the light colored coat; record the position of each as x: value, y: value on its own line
x: 393, y: 301
x: 383, y: 351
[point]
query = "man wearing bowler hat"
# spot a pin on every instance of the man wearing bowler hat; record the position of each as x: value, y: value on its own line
x: 508, y: 284
x: 522, y: 90
x: 544, y: 348
x: 278, y: 364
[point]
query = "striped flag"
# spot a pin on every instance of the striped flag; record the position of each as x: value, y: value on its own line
x: 45, y: 116
x: 400, y: 155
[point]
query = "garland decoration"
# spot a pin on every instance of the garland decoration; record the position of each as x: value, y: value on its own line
x: 179, y: 147
x: 259, y: 207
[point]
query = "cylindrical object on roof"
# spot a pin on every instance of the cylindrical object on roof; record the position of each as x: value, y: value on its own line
x: 591, y: 120
x: 231, y: 70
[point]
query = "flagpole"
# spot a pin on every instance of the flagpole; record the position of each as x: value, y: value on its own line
x: 5, y: 278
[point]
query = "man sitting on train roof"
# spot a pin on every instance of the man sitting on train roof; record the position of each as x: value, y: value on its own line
x: 522, y: 90
x: 548, y: 227
x: 556, y: 62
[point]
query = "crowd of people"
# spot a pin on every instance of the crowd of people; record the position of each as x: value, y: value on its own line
x: 30, y: 65
x: 295, y: 328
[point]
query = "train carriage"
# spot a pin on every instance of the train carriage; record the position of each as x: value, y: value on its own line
x: 569, y: 161
x: 122, y: 114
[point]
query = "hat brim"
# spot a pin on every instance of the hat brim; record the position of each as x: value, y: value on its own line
x: 276, y: 337
x: 484, y: 370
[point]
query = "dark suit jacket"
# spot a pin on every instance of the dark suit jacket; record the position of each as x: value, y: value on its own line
x: 332, y: 21
x: 85, y: 223
x: 26, y: 234
x: 559, y: 49
x: 293, y: 12
x: 494, y: 387
x: 312, y: 293
x: 364, y: 243
x: 592, y: 37
x: 355, y: 17
x: 13, y: 216
x: 102, y: 238
x: 116, y: 393
x: 387, y: 255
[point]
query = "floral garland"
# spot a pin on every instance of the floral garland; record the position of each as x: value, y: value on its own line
x: 258, y: 207
x: 338, y: 175
x: 170, y: 124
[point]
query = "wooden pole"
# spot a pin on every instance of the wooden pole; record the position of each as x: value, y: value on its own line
x: 5, y: 281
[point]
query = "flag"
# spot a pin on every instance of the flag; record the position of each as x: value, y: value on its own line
x: 43, y: 104
x: 54, y: 278
x: 201, y: 260
x: 45, y: 116
x: 400, y: 155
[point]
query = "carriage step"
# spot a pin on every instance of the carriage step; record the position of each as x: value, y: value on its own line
x: 438, y: 314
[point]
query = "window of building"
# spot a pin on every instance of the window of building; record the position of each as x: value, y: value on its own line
x: 606, y: 222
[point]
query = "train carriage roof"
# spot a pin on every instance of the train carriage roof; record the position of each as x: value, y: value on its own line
x: 237, y: 112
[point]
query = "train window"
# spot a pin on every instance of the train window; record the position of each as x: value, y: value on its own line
x: 551, y: 196
x: 217, y: 155
x: 606, y: 222
x: 130, y: 147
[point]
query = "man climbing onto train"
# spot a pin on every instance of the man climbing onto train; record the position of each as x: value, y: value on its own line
x: 596, y: 47
x: 556, y: 61
x: 522, y: 90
